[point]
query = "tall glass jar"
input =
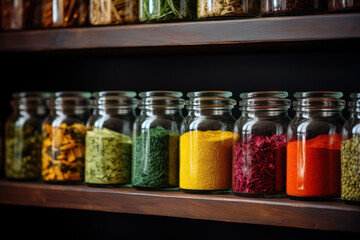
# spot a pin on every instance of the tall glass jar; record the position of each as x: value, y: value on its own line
x: 166, y: 10
x: 290, y: 7
x: 23, y: 137
x: 314, y: 142
x: 63, y: 157
x: 65, y: 13
x: 350, y: 153
x: 20, y: 14
x: 108, y: 143
x: 343, y: 5
x: 259, y: 153
x: 227, y: 8
x: 106, y: 12
x: 156, y: 140
x: 206, y: 142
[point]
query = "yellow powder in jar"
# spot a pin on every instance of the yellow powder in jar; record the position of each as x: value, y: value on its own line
x: 205, y: 160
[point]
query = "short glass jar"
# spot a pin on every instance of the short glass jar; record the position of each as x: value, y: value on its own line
x: 64, y: 13
x: 108, y: 143
x: 290, y: 7
x: 20, y: 14
x: 350, y: 153
x: 259, y: 153
x: 63, y: 156
x: 107, y: 12
x: 227, y: 8
x: 166, y: 10
x: 206, y: 142
x: 314, y: 142
x: 156, y: 140
x: 23, y: 136
x: 343, y: 5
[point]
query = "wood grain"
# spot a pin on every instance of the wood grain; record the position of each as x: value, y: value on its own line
x: 334, y: 215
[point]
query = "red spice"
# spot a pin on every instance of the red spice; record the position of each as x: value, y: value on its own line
x: 259, y: 165
x: 313, y: 167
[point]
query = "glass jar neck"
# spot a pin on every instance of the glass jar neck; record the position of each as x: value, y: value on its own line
x: 319, y: 114
x: 160, y: 111
x: 72, y: 110
x: 32, y: 110
x: 115, y: 110
x: 252, y: 113
x: 210, y: 111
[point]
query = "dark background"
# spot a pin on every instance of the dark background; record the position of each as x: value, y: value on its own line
x: 292, y: 67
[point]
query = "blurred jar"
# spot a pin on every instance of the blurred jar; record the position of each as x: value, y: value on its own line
x: 228, y: 8
x: 65, y: 13
x: 290, y: 7
x: 343, y: 5
x: 20, y: 14
x: 106, y: 12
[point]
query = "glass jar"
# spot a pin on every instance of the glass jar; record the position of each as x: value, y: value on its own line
x: 228, y: 8
x: 259, y: 153
x: 20, y: 14
x: 106, y: 12
x: 156, y: 140
x: 64, y: 145
x: 343, y: 5
x: 64, y: 13
x: 290, y: 7
x: 166, y: 10
x: 350, y: 153
x: 108, y: 143
x: 313, y: 149
x: 206, y: 142
x: 23, y: 137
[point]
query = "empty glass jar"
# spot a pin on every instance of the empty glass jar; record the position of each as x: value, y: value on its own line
x: 259, y: 154
x: 314, y: 142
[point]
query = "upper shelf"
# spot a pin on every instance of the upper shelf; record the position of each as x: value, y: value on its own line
x: 274, y: 29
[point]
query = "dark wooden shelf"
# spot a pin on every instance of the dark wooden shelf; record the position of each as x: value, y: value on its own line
x: 195, y: 33
x: 334, y: 215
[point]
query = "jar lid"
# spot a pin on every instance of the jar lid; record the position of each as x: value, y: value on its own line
x: 318, y: 100
x: 354, y: 104
x: 161, y: 99
x: 115, y: 99
x: 72, y: 99
x: 210, y: 99
x: 266, y: 100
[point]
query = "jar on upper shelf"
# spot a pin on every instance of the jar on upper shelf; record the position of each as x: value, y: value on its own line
x: 23, y: 135
x: 206, y: 142
x: 290, y: 7
x: 156, y: 140
x: 65, y: 13
x: 314, y: 142
x: 227, y: 8
x: 343, y: 5
x: 109, y: 140
x: 63, y: 152
x: 166, y: 10
x: 259, y: 153
x: 350, y: 153
x: 107, y: 12
x: 20, y: 14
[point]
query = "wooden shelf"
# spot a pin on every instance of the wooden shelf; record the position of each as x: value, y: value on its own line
x: 195, y: 33
x: 335, y: 215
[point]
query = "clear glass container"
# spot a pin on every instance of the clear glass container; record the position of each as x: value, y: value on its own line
x: 350, y: 153
x: 156, y: 140
x: 109, y: 142
x: 227, y: 8
x: 290, y: 7
x: 106, y: 12
x: 313, y: 149
x: 23, y: 136
x: 343, y: 5
x: 206, y: 142
x: 20, y: 14
x: 259, y: 153
x: 65, y: 13
x: 166, y: 10
x: 63, y: 156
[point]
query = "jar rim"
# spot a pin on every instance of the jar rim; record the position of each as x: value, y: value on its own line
x: 160, y: 93
x: 213, y: 93
x: 318, y: 94
x: 114, y: 93
x: 161, y: 99
x: 32, y: 94
x: 264, y: 94
x: 76, y: 94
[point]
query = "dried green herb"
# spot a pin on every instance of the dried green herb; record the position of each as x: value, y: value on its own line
x: 156, y: 159
x: 108, y: 157
x: 23, y: 152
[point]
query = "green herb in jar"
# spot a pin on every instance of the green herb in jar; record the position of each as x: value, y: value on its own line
x: 350, y: 169
x: 23, y: 152
x: 108, y: 157
x: 156, y: 159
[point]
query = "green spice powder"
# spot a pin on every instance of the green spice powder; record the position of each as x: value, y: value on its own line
x: 108, y: 157
x: 156, y: 159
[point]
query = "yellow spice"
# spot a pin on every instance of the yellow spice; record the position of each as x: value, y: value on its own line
x: 205, y: 160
